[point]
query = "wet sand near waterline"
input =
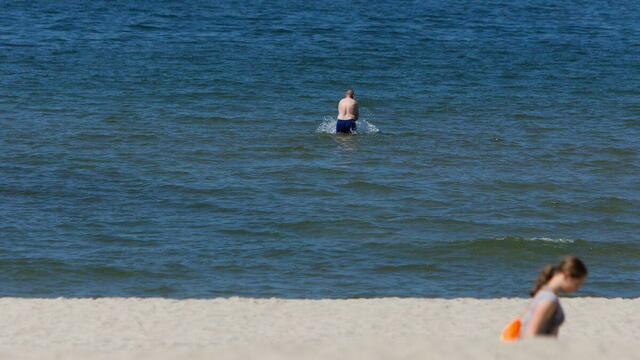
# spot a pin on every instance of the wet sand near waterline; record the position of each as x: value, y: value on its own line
x: 243, y: 328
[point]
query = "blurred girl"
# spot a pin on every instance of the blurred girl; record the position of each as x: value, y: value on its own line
x: 544, y: 314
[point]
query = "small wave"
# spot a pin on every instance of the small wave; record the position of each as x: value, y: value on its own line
x: 120, y: 240
x: 364, y: 125
x: 558, y: 240
x: 541, y: 238
x: 145, y: 27
x: 17, y: 45
x: 612, y: 205
x: 183, y: 189
x: 405, y: 268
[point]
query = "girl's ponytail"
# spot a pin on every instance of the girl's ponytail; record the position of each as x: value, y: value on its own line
x: 545, y: 275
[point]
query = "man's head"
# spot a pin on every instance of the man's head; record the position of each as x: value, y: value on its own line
x: 349, y: 93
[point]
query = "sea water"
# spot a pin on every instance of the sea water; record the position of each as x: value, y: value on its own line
x: 186, y: 149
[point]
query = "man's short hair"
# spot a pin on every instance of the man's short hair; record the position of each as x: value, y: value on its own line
x: 350, y: 92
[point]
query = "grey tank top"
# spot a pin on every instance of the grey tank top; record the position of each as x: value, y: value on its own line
x: 552, y: 325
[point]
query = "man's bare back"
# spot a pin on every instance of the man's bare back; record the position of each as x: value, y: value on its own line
x: 347, y: 114
x: 348, y: 107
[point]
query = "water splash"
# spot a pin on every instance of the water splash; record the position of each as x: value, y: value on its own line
x: 364, y: 124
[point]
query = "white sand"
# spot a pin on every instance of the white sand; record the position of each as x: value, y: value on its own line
x: 307, y: 329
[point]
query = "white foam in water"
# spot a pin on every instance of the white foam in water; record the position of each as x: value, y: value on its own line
x: 546, y: 239
x: 560, y: 240
x: 364, y: 126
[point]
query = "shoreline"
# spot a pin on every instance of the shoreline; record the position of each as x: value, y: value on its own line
x: 241, y: 328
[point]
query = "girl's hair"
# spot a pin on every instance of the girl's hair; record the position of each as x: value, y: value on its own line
x: 570, y: 265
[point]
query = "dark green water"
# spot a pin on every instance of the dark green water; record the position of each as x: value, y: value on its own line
x: 183, y: 149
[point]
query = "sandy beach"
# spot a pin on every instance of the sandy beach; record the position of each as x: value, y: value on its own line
x: 240, y: 328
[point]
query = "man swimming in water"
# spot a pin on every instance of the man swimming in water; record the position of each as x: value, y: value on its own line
x: 347, y: 114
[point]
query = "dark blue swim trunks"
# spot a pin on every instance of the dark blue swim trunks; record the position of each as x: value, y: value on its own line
x: 345, y: 126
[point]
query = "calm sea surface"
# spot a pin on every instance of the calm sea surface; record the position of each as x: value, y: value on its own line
x: 184, y: 149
